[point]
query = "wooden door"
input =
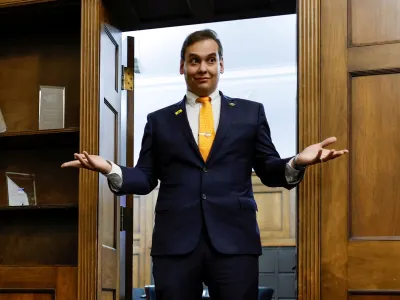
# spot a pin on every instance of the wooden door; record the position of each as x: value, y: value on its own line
x: 360, y: 104
x: 109, y: 243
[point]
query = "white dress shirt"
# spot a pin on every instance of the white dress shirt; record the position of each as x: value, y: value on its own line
x: 292, y: 175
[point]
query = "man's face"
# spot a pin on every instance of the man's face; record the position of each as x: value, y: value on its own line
x: 202, y: 67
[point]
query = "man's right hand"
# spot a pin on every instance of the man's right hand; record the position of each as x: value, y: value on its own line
x: 90, y: 162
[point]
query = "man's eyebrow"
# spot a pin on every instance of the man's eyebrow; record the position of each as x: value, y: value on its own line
x: 196, y: 55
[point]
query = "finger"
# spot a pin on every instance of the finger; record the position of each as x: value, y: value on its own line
x: 89, y: 159
x: 72, y: 163
x: 338, y: 154
x: 83, y: 161
x: 330, y: 154
x: 319, y: 155
x: 328, y: 141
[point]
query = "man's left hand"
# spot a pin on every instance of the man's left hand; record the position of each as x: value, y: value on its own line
x: 317, y: 154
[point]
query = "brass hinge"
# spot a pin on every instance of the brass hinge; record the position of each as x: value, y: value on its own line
x: 126, y: 217
x: 127, y: 78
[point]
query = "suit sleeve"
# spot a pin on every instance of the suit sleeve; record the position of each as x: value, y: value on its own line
x: 141, y: 179
x: 267, y: 163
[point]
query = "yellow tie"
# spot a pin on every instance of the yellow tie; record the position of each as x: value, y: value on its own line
x: 206, y: 127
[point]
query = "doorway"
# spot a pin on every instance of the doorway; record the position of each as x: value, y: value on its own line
x: 261, y: 68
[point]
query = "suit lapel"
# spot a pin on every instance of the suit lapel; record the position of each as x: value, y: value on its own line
x: 183, y: 123
x: 227, y: 106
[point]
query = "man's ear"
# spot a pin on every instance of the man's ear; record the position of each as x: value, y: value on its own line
x: 221, y: 65
x: 182, y: 67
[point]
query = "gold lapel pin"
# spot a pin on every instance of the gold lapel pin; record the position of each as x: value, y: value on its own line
x: 178, y: 112
x: 232, y: 104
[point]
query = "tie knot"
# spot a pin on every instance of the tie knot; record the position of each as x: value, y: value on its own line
x: 203, y: 100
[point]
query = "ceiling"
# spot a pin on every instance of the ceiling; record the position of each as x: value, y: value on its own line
x: 131, y: 15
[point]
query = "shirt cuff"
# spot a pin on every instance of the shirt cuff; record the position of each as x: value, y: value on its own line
x: 114, y: 177
x: 293, y: 176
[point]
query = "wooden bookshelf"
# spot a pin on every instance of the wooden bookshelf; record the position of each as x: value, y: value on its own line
x: 44, y: 247
x: 41, y: 46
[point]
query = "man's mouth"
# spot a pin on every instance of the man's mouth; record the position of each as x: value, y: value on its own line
x: 202, y: 79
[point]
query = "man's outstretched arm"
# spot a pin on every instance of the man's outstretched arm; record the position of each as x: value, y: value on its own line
x: 139, y: 180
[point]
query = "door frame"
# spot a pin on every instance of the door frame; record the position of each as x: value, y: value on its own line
x: 309, y: 132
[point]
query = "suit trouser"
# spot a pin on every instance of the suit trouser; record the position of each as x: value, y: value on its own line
x: 228, y: 277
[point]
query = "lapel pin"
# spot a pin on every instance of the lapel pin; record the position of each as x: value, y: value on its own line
x: 178, y: 112
x: 232, y: 104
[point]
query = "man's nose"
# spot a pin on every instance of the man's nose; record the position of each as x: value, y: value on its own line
x: 203, y: 67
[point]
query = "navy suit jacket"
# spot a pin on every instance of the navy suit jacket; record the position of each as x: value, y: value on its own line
x: 219, y: 189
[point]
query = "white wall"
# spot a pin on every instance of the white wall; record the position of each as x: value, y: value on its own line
x: 260, y: 64
x: 251, y: 43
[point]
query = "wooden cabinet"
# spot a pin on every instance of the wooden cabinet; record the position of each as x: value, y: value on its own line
x: 44, y: 247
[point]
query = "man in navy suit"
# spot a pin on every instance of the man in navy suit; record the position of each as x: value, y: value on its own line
x: 202, y: 150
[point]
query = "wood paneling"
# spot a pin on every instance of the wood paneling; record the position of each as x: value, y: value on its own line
x: 27, y: 296
x: 369, y: 58
x: 276, y: 217
x: 371, y: 266
x: 387, y: 296
x: 309, y: 105
x: 89, y: 141
x: 21, y: 280
x: 374, y: 123
x: 143, y: 223
x: 359, y: 241
x: 374, y: 22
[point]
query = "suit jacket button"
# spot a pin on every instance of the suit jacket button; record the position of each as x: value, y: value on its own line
x: 205, y: 170
x: 204, y: 197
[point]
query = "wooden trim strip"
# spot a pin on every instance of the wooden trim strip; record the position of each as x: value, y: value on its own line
x: 370, y: 58
x: 309, y: 75
x: 7, y: 3
x: 11, y: 277
x: 89, y: 141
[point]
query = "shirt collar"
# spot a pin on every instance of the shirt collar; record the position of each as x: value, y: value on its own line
x: 191, y: 98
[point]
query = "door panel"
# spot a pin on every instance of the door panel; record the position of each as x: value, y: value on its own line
x: 143, y: 223
x: 360, y: 86
x: 276, y: 215
x: 110, y: 128
x: 374, y: 124
x: 373, y: 22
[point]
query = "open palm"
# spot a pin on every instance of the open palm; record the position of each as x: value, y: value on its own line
x: 316, y: 153
x: 89, y: 162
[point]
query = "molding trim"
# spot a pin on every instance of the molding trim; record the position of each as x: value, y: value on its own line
x: 309, y: 197
x: 89, y: 141
x: 6, y: 3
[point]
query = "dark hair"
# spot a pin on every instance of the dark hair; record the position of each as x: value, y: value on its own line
x: 201, y: 35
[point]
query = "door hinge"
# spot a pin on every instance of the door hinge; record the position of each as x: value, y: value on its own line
x: 126, y: 217
x: 127, y: 78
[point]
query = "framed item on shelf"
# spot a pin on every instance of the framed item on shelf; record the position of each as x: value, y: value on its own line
x: 51, y: 107
x: 3, y: 126
x: 21, y: 189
